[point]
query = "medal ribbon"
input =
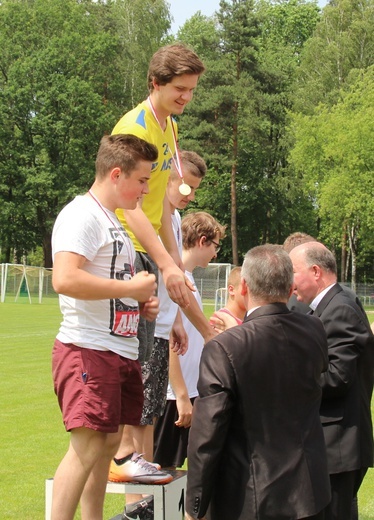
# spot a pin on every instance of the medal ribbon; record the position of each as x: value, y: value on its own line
x: 120, y: 232
x: 176, y: 158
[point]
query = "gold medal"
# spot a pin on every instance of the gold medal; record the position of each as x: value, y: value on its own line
x: 184, y: 189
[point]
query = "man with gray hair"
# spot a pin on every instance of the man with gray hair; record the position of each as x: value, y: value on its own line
x: 256, y: 447
x: 347, y: 385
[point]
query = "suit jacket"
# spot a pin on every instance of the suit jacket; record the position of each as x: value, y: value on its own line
x: 347, y: 385
x: 256, y: 447
x: 295, y: 305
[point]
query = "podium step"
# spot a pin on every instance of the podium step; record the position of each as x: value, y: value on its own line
x: 168, y: 498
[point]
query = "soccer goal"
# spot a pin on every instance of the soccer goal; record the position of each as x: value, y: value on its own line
x: 25, y: 282
x: 211, y: 282
x: 34, y: 284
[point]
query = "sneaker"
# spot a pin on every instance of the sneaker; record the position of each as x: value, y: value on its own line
x: 137, y: 469
x: 142, y: 510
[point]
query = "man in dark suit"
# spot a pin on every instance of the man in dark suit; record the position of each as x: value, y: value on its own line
x: 348, y: 383
x: 256, y: 447
x: 293, y: 240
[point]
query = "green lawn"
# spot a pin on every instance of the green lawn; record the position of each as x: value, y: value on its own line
x: 33, y: 439
x: 32, y: 435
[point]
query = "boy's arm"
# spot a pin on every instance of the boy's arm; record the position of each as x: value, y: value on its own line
x: 178, y: 340
x: 70, y: 279
x: 167, y: 234
x: 178, y: 385
x: 198, y: 320
x: 176, y: 283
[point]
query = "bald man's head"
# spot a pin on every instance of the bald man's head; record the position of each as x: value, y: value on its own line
x: 314, y: 269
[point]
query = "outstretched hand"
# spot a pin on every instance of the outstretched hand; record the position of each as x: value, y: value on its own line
x: 222, y: 321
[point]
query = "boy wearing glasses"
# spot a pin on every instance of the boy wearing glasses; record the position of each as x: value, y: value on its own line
x: 201, y: 235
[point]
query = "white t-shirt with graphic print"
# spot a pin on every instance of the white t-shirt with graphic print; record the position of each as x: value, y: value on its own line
x: 85, y: 228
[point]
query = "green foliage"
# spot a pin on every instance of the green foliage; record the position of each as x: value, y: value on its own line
x: 36, y: 257
x: 238, y: 117
x: 343, y: 41
x: 289, y: 23
x: 334, y: 152
x: 332, y: 125
x: 68, y: 71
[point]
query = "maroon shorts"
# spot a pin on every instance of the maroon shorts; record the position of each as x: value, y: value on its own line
x: 96, y: 389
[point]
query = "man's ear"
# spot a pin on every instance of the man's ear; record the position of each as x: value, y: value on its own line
x: 243, y: 287
x: 317, y: 271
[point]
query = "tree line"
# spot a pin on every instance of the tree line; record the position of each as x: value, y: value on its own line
x: 283, y: 115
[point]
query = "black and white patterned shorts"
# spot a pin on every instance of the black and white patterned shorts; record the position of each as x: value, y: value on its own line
x: 146, y: 329
x: 155, y: 373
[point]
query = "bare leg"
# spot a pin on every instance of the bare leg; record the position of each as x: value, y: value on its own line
x: 92, y: 499
x: 72, y: 474
x: 143, y: 440
x: 126, y: 446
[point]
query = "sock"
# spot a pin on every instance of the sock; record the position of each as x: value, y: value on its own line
x: 119, y: 462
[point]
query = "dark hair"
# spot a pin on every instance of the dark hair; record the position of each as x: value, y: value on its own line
x: 200, y: 224
x: 122, y: 151
x: 295, y: 239
x: 191, y: 162
x: 173, y: 60
x: 268, y: 272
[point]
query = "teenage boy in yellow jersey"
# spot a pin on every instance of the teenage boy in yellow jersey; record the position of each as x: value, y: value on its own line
x: 173, y: 75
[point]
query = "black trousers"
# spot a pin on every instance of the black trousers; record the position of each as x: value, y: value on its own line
x: 344, y: 487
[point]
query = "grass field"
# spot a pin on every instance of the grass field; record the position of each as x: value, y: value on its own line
x: 33, y: 439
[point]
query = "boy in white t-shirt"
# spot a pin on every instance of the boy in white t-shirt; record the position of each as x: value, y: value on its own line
x: 201, y: 235
x: 97, y: 377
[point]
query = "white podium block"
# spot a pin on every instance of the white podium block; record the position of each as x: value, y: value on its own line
x: 168, y: 498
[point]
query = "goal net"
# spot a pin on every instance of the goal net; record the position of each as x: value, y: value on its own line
x: 34, y: 284
x: 26, y: 283
x: 211, y: 282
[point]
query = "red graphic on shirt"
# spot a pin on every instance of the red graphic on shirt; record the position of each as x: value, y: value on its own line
x: 126, y: 323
